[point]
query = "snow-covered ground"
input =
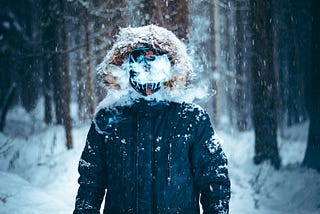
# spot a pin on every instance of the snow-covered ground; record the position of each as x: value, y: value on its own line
x: 39, y: 175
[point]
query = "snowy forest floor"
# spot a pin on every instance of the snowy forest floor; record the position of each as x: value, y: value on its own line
x: 39, y: 175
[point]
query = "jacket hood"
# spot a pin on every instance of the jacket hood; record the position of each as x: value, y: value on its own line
x: 114, y: 77
x: 151, y: 36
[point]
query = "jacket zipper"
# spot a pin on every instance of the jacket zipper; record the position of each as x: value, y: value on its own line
x: 153, y: 176
x: 135, y: 162
x: 169, y: 163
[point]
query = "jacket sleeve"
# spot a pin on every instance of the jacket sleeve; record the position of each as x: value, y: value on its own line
x: 92, y: 174
x: 210, y: 168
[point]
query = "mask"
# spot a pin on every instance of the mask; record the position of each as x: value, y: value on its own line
x: 149, y: 69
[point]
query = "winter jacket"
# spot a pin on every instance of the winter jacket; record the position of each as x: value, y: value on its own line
x: 153, y: 157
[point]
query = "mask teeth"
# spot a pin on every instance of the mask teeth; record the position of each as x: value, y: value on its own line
x: 146, y: 89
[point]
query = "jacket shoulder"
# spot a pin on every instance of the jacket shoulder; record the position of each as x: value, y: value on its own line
x: 193, y: 109
x: 106, y: 119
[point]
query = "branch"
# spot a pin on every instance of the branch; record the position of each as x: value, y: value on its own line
x: 6, y: 103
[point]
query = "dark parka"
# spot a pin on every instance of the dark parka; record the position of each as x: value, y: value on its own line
x: 153, y: 157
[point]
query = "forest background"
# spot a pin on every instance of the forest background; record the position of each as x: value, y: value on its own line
x: 260, y: 56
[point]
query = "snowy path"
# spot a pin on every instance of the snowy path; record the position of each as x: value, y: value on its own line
x: 38, y: 175
x: 41, y: 175
x: 19, y: 196
x: 263, y: 190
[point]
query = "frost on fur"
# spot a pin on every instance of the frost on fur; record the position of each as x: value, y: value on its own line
x: 178, y: 74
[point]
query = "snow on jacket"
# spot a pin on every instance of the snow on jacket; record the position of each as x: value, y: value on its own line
x: 153, y: 154
x: 153, y: 157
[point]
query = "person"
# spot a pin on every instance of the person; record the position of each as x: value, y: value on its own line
x: 151, y: 151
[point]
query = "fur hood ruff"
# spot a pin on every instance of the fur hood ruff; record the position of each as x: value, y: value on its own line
x: 115, y: 79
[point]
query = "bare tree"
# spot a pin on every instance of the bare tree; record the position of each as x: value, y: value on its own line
x: 80, y: 67
x: 312, y: 155
x: 47, y: 30
x: 7, y: 99
x: 264, y: 84
x: 88, y: 61
x: 220, y: 73
x: 61, y: 76
x: 242, y: 45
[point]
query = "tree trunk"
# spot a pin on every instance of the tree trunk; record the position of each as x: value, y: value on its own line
x: 28, y: 74
x: 88, y: 71
x: 242, y: 94
x: 7, y: 99
x: 83, y: 65
x: 61, y: 78
x: 81, y: 78
x: 47, y: 70
x: 220, y: 76
x: 107, y: 23
x: 170, y: 14
x: 201, y: 16
x: 228, y: 86
x: 212, y: 57
x: 312, y: 155
x: 47, y: 31
x: 296, y: 110
x: 264, y: 85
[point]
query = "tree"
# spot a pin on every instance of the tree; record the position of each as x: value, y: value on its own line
x: 18, y: 60
x: 16, y: 52
x: 60, y: 69
x: 63, y: 91
x: 29, y: 71
x: 263, y: 84
x: 221, y: 76
x: 229, y: 50
x: 5, y: 105
x: 292, y: 39
x: 88, y: 61
x: 47, y: 30
x: 312, y: 155
x: 242, y: 45
x: 108, y: 17
x: 10, y: 38
x: 83, y: 52
x: 202, y: 20
x: 171, y: 14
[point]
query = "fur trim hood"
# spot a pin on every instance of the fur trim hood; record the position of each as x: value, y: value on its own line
x: 152, y: 36
x: 115, y: 79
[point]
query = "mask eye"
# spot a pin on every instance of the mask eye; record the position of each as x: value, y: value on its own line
x: 144, y: 54
x: 136, y: 55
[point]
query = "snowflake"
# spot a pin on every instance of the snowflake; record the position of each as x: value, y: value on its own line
x: 157, y: 149
x: 84, y: 163
x: 214, y: 143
